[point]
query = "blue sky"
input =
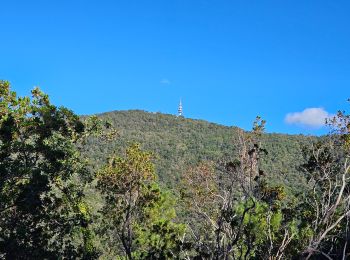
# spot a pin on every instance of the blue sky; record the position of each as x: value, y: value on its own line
x: 228, y: 60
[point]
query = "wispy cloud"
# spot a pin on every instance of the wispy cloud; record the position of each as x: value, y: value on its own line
x: 314, y: 117
x: 165, y: 82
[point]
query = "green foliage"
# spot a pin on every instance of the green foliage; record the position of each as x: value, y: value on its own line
x: 41, y: 178
x: 242, y: 195
x: 137, y: 215
x: 180, y: 143
x: 158, y: 236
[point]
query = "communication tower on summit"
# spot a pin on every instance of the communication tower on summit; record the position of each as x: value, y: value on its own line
x: 180, y: 112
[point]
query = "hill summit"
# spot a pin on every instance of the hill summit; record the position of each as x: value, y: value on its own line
x: 180, y: 142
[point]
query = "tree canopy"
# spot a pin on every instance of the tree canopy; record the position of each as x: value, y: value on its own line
x: 81, y: 188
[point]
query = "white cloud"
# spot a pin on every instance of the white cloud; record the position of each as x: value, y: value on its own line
x: 311, y: 117
x: 165, y: 82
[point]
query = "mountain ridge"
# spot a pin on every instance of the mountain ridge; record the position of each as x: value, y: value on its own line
x: 195, y: 119
x: 181, y: 142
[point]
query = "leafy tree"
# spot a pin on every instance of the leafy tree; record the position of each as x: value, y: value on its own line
x: 137, y: 215
x: 42, y: 208
x: 233, y: 213
x: 326, y: 207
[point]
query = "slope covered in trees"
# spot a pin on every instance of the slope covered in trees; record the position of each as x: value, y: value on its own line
x: 223, y: 202
x: 180, y: 142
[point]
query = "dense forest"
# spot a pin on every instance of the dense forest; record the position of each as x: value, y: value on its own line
x: 179, y: 142
x: 137, y: 185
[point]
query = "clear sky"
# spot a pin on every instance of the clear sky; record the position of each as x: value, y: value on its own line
x: 228, y: 60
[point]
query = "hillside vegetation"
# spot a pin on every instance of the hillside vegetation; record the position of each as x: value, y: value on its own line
x: 154, y: 186
x: 180, y: 142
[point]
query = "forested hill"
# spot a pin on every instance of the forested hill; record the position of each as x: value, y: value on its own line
x: 180, y: 142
